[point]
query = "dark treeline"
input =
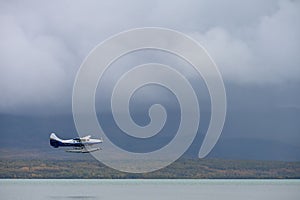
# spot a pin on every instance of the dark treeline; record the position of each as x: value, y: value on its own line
x: 183, y: 168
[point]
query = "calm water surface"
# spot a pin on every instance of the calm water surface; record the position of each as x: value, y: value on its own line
x: 149, y: 189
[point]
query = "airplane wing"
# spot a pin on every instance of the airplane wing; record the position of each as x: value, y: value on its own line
x: 86, y: 137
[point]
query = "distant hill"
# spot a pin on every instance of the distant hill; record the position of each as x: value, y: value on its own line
x: 28, y: 136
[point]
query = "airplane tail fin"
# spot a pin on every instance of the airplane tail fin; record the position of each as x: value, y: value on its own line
x: 54, y: 137
x: 54, y: 140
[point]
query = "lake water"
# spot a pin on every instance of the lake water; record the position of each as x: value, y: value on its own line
x: 11, y: 189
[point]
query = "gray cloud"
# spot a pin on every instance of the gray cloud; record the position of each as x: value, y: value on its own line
x: 42, y: 44
x: 262, y: 52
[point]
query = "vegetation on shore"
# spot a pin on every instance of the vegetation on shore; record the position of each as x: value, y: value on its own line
x: 183, y: 168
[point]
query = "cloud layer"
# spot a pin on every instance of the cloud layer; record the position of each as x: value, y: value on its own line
x: 42, y: 44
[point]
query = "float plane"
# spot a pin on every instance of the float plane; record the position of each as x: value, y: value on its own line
x: 79, y: 144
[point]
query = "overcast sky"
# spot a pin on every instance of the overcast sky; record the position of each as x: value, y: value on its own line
x: 256, y: 44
